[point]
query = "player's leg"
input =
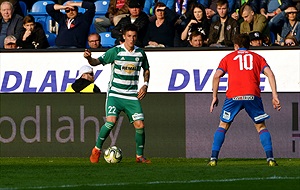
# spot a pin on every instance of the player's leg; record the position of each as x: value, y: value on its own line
x: 230, y: 109
x: 112, y: 113
x: 135, y: 114
x: 255, y: 110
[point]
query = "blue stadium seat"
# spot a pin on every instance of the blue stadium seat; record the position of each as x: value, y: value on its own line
x: 23, y: 7
x: 39, y: 8
x: 101, y: 7
x: 51, y: 38
x: 106, y: 40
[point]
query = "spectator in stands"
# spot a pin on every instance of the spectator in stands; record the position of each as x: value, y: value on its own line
x: 256, y: 39
x: 290, y: 41
x: 271, y: 8
x: 117, y: 9
x: 211, y: 8
x: 10, y: 23
x: 198, y: 22
x: 253, y: 22
x: 149, y: 6
x: 136, y: 17
x: 222, y: 31
x: 94, y: 41
x: 161, y: 31
x: 10, y: 42
x: 84, y: 82
x: 196, y: 39
x: 287, y: 20
x: 16, y: 6
x: 74, y: 27
x: 32, y: 35
x: 236, y: 13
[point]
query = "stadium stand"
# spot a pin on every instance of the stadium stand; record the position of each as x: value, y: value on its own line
x: 101, y: 7
x: 106, y: 40
x: 23, y: 7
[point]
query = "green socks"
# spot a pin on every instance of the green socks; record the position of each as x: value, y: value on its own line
x: 140, y: 141
x: 104, y: 132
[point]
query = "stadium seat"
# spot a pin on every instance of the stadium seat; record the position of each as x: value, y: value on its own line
x: 101, y: 7
x: 39, y: 8
x: 106, y: 40
x: 23, y: 7
x: 51, y: 38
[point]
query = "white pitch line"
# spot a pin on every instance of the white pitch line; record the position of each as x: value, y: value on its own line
x: 160, y: 182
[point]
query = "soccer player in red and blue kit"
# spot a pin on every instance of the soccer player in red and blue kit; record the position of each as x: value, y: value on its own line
x: 243, y: 68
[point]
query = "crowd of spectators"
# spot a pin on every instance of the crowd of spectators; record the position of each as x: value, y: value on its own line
x: 161, y: 23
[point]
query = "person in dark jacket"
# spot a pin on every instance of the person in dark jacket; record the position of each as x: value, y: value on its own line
x: 222, y: 31
x: 74, y: 27
x: 136, y: 17
x: 33, y: 35
x: 84, y: 82
x: 10, y: 23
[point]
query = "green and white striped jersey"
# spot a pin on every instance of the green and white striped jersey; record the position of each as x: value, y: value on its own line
x: 125, y: 70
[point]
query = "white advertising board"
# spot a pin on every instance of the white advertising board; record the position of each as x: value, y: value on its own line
x: 171, y: 71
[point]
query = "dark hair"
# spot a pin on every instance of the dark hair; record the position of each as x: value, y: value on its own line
x: 242, y: 40
x: 130, y: 27
x: 204, y: 18
x: 28, y: 18
x: 194, y: 34
x: 159, y: 4
x: 222, y: 2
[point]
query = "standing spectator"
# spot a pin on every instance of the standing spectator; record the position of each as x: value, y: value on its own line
x: 10, y: 42
x: 117, y: 9
x: 94, y: 41
x: 136, y: 17
x: 256, y: 39
x: 243, y: 93
x: 16, y: 6
x: 33, y: 35
x: 149, y: 6
x: 84, y: 82
x: 10, y: 23
x: 74, y: 27
x: 253, y: 22
x: 196, y: 39
x: 197, y: 22
x: 161, y: 31
x: 287, y: 21
x: 127, y: 62
x: 222, y: 31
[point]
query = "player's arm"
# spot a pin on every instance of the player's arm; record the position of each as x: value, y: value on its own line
x: 92, y: 61
x: 215, y: 86
x: 143, y: 91
x: 271, y: 77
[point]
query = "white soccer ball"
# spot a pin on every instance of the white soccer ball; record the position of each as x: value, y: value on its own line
x: 113, y: 155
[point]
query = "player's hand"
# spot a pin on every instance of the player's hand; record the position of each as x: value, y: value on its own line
x: 87, y: 53
x: 276, y: 104
x: 142, y: 92
x: 214, y: 102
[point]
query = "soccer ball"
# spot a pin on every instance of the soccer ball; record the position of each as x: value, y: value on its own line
x: 113, y: 155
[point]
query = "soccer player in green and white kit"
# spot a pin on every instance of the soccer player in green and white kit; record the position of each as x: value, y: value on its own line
x: 123, y: 94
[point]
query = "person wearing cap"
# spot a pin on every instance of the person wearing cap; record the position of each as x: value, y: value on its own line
x: 10, y: 23
x: 256, y: 38
x: 10, y: 42
x: 74, y: 27
x: 84, y: 82
x: 136, y: 17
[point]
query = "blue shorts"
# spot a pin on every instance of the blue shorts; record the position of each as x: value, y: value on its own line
x: 252, y: 104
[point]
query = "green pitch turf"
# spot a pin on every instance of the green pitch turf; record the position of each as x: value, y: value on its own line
x: 163, y: 173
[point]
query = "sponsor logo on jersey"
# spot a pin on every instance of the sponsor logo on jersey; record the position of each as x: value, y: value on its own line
x: 122, y: 59
x: 129, y: 68
x: 243, y: 98
x: 138, y: 116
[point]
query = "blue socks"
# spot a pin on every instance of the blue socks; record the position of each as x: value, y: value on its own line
x: 219, y: 138
x: 265, y: 139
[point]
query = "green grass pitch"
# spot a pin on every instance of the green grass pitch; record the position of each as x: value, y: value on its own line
x: 163, y: 173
